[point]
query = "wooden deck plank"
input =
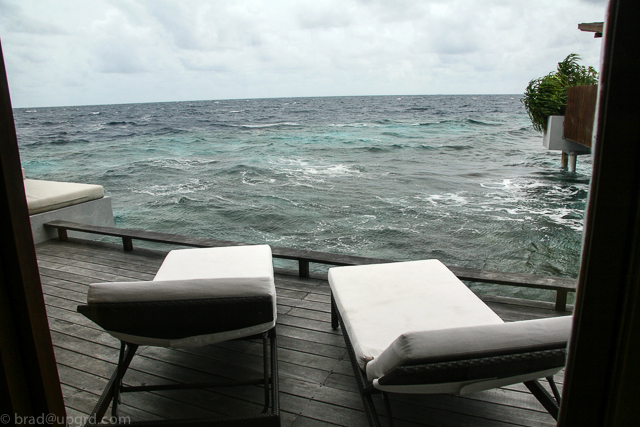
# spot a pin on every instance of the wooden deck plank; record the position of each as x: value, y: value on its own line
x: 317, y: 384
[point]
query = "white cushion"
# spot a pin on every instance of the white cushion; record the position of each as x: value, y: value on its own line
x: 175, y: 290
x: 379, y: 302
x: 44, y: 196
x: 232, y: 262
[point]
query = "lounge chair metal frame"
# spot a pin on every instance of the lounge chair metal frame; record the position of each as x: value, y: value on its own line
x: 270, y: 415
x: 428, y: 371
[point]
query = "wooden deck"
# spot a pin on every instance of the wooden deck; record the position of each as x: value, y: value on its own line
x: 316, y: 382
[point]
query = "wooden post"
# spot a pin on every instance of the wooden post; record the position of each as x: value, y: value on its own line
x: 62, y: 234
x: 127, y: 243
x: 561, y: 300
x: 564, y: 161
x: 303, y: 268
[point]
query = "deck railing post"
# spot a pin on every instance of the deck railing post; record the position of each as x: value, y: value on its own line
x: 62, y: 234
x: 561, y: 300
x: 303, y: 268
x: 127, y: 243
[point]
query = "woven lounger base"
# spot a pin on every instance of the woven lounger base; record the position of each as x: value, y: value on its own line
x: 270, y: 415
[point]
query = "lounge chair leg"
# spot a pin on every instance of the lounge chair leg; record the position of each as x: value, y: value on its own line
x: 544, y: 398
x: 334, y: 313
x: 387, y: 405
x: 265, y: 367
x: 363, y: 387
x: 275, y: 403
x: 107, y: 395
x: 123, y: 364
x: 554, y: 389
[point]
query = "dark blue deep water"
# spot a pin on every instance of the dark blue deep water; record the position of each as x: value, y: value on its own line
x: 464, y: 179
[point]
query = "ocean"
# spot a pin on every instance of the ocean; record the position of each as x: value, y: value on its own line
x: 464, y: 179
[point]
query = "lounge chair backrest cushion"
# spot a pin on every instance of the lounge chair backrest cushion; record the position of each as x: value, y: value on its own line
x: 176, y: 290
x: 419, y: 348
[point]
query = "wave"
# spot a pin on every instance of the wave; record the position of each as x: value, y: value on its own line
x: 168, y: 131
x: 458, y: 147
x: 64, y: 141
x: 125, y: 123
x: 267, y: 125
x: 190, y: 186
x: 455, y: 199
x: 383, y: 148
x: 243, y: 170
x: 440, y: 122
x: 179, y: 164
x: 376, y: 149
x: 429, y: 147
x: 481, y: 122
x: 353, y: 125
x: 311, y: 170
x: 420, y: 109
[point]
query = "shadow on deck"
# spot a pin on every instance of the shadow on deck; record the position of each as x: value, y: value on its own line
x: 316, y: 382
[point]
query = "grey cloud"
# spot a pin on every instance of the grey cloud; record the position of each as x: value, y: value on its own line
x: 14, y: 20
x: 200, y: 64
x: 316, y: 16
x: 120, y: 59
x: 179, y: 25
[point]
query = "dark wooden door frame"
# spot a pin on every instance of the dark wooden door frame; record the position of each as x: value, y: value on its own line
x: 30, y: 386
x: 602, y: 376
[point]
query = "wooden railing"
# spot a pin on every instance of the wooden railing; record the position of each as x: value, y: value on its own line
x: 561, y: 286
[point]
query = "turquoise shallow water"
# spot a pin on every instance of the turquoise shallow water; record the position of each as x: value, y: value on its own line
x: 464, y: 179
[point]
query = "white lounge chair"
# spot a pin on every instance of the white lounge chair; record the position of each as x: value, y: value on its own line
x: 413, y: 327
x: 198, y: 297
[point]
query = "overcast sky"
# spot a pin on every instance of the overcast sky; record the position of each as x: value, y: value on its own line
x: 79, y: 52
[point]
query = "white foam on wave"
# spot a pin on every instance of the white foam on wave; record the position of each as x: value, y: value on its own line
x: 311, y: 168
x: 445, y: 199
x: 180, y: 163
x: 514, y: 198
x: 510, y: 184
x: 246, y: 180
x: 190, y: 186
x: 351, y: 125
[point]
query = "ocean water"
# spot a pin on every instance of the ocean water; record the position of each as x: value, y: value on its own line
x: 464, y: 179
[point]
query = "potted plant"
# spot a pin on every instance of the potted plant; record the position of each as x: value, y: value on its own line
x: 547, y: 96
